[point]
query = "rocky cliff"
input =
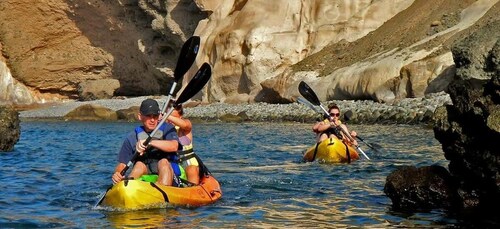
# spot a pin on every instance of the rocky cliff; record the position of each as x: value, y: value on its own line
x: 469, y: 130
x: 54, y: 48
x: 381, y: 50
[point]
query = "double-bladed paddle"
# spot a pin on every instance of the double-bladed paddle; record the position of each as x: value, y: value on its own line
x: 186, y: 58
x: 309, y: 94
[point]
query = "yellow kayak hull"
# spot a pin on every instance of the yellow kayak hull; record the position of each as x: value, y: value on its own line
x: 331, y: 150
x: 137, y: 194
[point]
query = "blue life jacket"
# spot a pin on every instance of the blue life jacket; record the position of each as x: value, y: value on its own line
x: 152, y: 152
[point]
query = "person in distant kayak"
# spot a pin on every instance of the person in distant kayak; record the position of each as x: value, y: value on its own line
x: 332, y: 127
x: 187, y: 158
x: 156, y: 156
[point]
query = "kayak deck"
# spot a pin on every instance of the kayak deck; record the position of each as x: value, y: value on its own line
x: 137, y: 194
x: 331, y: 150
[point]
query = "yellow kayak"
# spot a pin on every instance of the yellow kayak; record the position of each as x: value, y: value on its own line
x: 331, y: 150
x: 138, y: 194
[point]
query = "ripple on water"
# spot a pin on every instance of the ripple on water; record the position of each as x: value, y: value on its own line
x: 58, y: 170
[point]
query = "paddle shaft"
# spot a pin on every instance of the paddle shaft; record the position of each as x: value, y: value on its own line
x: 368, y: 144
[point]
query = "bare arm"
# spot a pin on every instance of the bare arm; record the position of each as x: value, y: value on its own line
x: 165, y: 145
x: 184, y: 124
x: 321, y: 126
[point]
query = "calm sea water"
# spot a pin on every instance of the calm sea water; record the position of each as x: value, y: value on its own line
x: 58, y: 170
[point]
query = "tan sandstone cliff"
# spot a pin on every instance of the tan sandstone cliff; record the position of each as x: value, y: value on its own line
x: 381, y: 50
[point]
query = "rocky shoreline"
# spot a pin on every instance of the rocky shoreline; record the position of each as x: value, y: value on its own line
x: 405, y: 111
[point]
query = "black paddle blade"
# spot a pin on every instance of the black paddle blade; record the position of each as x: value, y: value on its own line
x: 186, y: 57
x: 348, y: 115
x: 308, y: 93
x: 196, y: 84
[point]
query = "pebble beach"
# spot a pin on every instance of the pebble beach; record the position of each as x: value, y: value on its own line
x: 405, y: 111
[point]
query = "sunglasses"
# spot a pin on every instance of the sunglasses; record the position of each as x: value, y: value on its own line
x: 335, y: 114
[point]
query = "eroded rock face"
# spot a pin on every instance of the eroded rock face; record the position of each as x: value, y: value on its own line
x: 10, y: 130
x: 46, y: 50
x: 249, y: 42
x: 380, y: 50
x: 53, y: 46
x: 385, y: 68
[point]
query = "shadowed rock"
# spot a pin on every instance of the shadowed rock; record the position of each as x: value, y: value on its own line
x: 129, y: 114
x: 423, y: 188
x: 9, y: 128
x: 469, y: 129
x: 469, y: 134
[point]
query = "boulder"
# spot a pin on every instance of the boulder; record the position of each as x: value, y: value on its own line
x: 9, y: 127
x: 422, y: 188
x: 129, y: 114
x: 91, y: 112
x: 97, y: 89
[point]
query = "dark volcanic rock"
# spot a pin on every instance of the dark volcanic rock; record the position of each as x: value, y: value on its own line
x: 469, y: 132
x: 469, y: 129
x: 421, y: 188
x: 9, y: 128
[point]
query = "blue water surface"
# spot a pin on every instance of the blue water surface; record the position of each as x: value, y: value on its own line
x: 58, y: 170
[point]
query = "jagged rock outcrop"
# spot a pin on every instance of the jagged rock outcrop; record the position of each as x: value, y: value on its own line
x: 10, y: 130
x: 469, y: 131
x: 46, y: 51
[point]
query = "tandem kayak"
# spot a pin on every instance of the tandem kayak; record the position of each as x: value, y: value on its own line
x: 139, y: 194
x: 331, y: 150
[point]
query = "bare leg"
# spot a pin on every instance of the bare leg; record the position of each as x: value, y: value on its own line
x: 193, y: 172
x: 139, y: 169
x: 165, y: 173
x: 322, y: 137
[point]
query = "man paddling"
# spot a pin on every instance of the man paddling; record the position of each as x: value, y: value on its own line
x: 156, y: 156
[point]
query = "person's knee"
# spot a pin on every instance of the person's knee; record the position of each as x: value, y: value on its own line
x: 139, y: 169
x: 163, y: 162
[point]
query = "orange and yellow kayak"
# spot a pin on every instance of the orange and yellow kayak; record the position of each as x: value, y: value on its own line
x: 331, y: 150
x: 138, y: 194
